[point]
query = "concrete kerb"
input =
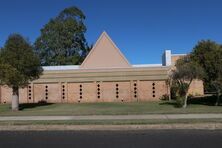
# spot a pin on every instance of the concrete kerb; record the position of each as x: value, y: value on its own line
x: 199, y: 126
x: 112, y: 117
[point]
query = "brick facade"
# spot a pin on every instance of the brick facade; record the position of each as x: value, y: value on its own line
x: 118, y: 91
x: 104, y: 76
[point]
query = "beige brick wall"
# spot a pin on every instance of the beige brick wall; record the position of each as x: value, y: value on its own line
x: 175, y: 58
x: 99, y: 92
x: 196, y: 88
x: 109, y: 92
x: 23, y: 95
x: 47, y: 92
x: 82, y: 92
x: 6, y: 94
x: 118, y: 91
x: 152, y: 90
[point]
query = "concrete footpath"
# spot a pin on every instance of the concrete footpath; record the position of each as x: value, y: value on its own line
x: 165, y: 126
x: 112, y: 117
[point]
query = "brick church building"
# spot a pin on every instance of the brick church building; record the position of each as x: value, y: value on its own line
x: 104, y: 76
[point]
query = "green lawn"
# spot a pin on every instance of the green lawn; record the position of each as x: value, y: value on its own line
x: 163, y: 107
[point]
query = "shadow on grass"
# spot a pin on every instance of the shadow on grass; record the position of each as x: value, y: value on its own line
x: 207, y: 100
x: 171, y: 103
x: 32, y: 105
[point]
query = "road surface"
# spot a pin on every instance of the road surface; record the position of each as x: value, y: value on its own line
x: 112, y: 139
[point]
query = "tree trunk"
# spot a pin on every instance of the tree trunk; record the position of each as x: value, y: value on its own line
x: 218, y: 99
x: 169, y: 93
x: 185, y: 101
x: 186, y: 94
x: 15, y: 99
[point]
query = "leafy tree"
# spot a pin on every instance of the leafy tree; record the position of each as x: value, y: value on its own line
x: 217, y: 84
x: 18, y: 66
x: 209, y: 56
x: 62, y: 40
x: 186, y: 71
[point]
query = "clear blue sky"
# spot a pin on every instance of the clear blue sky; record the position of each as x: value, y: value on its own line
x: 142, y: 29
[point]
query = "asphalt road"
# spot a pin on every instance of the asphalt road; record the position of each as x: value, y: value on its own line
x: 112, y: 139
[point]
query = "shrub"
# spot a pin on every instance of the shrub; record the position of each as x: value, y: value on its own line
x: 180, y: 101
x: 174, y: 91
x: 164, y: 97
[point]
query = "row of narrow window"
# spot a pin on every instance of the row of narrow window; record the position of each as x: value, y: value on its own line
x: 135, y: 90
x: 30, y: 92
x: 98, y: 91
x: 63, y: 92
x: 80, y: 91
x: 154, y: 95
x: 46, y: 92
x: 117, y: 91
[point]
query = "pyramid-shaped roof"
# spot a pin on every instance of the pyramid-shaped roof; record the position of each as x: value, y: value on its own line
x: 105, y: 54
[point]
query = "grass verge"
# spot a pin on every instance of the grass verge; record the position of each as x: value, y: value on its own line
x: 133, y: 108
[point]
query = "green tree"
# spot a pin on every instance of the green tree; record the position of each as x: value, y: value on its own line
x: 186, y: 71
x: 209, y: 56
x: 217, y: 84
x: 62, y: 40
x: 18, y: 66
